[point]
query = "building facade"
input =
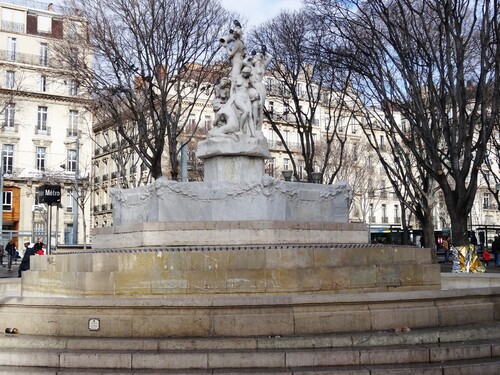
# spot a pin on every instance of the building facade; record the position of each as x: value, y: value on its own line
x: 374, y: 200
x: 45, y: 127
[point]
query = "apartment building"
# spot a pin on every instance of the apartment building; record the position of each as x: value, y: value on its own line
x: 374, y: 201
x: 45, y: 135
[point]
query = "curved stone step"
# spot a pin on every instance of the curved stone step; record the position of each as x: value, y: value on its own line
x: 421, y: 351
x: 489, y: 366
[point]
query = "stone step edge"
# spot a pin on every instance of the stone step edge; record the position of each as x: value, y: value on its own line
x: 292, y: 370
x: 433, y: 335
x: 466, y: 366
x: 219, y: 364
x: 132, y: 358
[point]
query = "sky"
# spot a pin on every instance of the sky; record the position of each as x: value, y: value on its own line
x: 258, y: 11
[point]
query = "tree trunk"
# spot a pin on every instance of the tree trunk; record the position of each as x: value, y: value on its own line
x: 459, y: 234
x: 428, y: 231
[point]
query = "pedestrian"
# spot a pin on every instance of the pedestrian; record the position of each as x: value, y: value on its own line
x: 38, y: 246
x: 2, y: 253
x: 446, y: 247
x: 495, y: 249
x: 11, y: 253
x: 25, y: 262
x: 486, y: 257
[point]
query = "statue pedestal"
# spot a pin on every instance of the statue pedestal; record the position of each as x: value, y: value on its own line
x: 233, y: 158
x: 234, y: 168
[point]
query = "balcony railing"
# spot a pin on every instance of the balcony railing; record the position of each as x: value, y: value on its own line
x: 489, y: 206
x: 45, y: 131
x: 15, y: 27
x: 8, y: 127
x: 30, y: 59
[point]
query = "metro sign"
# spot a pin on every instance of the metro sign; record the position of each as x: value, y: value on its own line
x: 49, y: 194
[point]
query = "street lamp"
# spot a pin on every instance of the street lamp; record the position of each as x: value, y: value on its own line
x: 75, y: 194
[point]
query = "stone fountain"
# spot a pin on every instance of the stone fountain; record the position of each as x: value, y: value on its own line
x: 239, y: 254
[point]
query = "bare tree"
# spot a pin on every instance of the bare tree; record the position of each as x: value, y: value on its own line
x: 436, y: 63
x: 152, y: 62
x: 305, y: 85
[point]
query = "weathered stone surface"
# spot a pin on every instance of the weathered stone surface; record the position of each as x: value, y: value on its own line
x: 228, y: 270
x: 266, y: 199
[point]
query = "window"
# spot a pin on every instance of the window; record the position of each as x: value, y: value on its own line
x: 299, y: 90
x: 270, y: 135
x: 191, y: 123
x: 486, y: 200
x: 301, y: 170
x: 73, y: 124
x: 269, y: 167
x: 13, y: 20
x: 285, y: 164
x: 353, y: 123
x: 43, y: 83
x: 286, y: 136
x: 73, y: 87
x: 269, y: 84
x: 208, y: 122
x: 342, y: 123
x: 7, y: 200
x: 328, y: 119
x: 71, y: 165
x: 404, y: 125
x: 355, y: 151
x: 382, y: 141
x: 44, y: 24
x: 10, y: 79
x: 40, y: 158
x: 69, y: 201
x: 42, y: 119
x: 11, y: 49
x: 44, y: 54
x: 397, y: 218
x: 8, y: 158
x: 9, y: 115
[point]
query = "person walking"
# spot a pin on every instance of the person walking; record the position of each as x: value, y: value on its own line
x: 11, y: 253
x: 2, y: 254
x: 495, y: 249
x: 446, y: 247
x: 25, y: 262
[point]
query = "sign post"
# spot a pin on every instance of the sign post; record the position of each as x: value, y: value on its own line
x: 50, y: 195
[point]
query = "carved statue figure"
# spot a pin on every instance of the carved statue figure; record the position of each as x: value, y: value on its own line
x: 242, y: 101
x: 225, y: 121
x: 239, y: 109
x: 260, y: 61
